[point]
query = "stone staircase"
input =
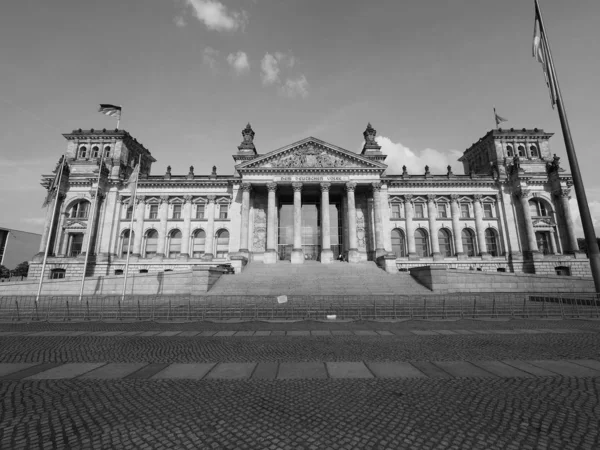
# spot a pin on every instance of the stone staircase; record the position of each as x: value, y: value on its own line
x: 314, y: 278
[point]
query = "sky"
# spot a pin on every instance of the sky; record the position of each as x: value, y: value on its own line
x: 190, y: 74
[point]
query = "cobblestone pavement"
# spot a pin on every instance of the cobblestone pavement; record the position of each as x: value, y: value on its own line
x: 556, y: 409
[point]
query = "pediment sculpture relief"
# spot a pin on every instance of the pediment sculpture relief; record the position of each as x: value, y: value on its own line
x: 310, y: 157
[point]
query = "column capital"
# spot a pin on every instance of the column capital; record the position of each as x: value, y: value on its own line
x: 211, y: 198
x: 164, y: 199
x: 246, y: 187
x: 564, y: 193
x: 408, y: 198
x: 325, y: 187
x: 376, y: 186
x: 454, y: 198
x: 297, y: 187
x: 140, y: 199
x: 62, y: 196
x: 272, y: 187
x: 187, y: 198
x: 477, y: 197
x: 431, y: 197
x: 523, y: 193
x: 350, y: 186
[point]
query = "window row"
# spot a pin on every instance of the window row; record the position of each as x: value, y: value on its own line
x: 174, y: 245
x: 445, y: 241
x: 85, y: 153
x: 176, y: 212
x: 522, y: 152
x: 443, y: 210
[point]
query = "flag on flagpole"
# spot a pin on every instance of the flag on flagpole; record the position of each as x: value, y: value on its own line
x: 133, y: 179
x: 110, y: 110
x: 54, y: 183
x: 540, y: 53
x: 499, y: 119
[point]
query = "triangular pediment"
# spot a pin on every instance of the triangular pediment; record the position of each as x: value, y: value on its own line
x: 313, y: 154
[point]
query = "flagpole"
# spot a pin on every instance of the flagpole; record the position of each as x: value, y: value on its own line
x: 496, y: 118
x: 54, y: 209
x: 91, y: 217
x: 584, y: 210
x: 130, y: 231
x: 119, y: 119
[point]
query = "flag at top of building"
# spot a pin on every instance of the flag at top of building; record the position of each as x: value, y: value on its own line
x: 110, y: 110
x: 499, y: 119
x: 541, y: 54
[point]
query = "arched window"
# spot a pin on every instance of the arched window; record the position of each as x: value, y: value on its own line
x: 83, y: 151
x: 491, y: 242
x: 80, y: 210
x: 174, y: 244
x: 107, y: 151
x: 421, y: 244
x: 521, y: 150
x: 198, y: 243
x: 538, y: 209
x: 468, y: 241
x: 151, y: 243
x: 445, y: 242
x: 509, y: 151
x: 75, y: 244
x: 126, y: 242
x: 398, y: 243
x: 222, y: 243
x: 95, y: 151
x: 534, y: 151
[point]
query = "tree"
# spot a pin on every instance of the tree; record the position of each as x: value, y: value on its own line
x: 4, y: 272
x: 21, y: 270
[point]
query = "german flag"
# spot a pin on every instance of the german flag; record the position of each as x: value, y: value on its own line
x: 110, y: 110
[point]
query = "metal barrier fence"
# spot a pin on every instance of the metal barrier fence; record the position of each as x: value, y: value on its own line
x: 188, y: 308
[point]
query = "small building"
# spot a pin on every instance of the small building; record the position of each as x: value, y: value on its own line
x: 312, y: 200
x: 17, y: 247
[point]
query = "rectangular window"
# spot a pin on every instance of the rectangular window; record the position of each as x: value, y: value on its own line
x: 129, y: 212
x: 464, y: 211
x: 442, y: 211
x: 176, y: 211
x: 76, y: 244
x: 396, y: 211
x: 223, y: 211
x: 153, y: 211
x: 200, y: 211
x: 419, y: 210
x: 488, y: 211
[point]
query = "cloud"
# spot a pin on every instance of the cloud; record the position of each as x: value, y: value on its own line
x: 594, y: 206
x: 415, y: 161
x: 215, y: 15
x: 239, y: 62
x: 179, y: 21
x: 209, y: 57
x: 296, y: 87
x: 285, y: 59
x: 269, y: 69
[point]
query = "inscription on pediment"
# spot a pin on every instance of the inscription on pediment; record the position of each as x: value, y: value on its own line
x: 310, y: 156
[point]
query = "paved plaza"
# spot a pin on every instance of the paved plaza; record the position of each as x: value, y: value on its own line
x: 488, y: 384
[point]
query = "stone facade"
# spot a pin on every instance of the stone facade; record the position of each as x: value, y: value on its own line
x: 310, y: 200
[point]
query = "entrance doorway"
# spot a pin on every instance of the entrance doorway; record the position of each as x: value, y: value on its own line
x: 311, y: 230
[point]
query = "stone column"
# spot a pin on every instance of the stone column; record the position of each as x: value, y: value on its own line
x: 379, y: 246
x: 572, y: 246
x: 108, y: 222
x: 456, y: 231
x: 530, y: 232
x: 326, y: 253
x: 479, y: 226
x: 60, y: 223
x: 186, y: 229
x: 353, y: 255
x: 46, y: 232
x: 92, y: 223
x: 433, y: 236
x: 210, y: 229
x: 138, y: 225
x: 245, y: 225
x: 410, y: 227
x: 271, y: 253
x: 163, y: 215
x: 297, y: 253
x: 552, y: 242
